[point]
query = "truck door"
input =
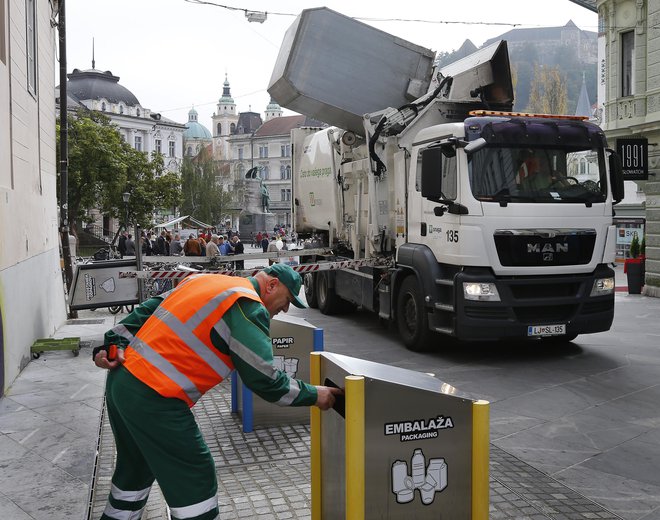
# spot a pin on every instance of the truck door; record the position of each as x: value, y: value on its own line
x: 431, y: 222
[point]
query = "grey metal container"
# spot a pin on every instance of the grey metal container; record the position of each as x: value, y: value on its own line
x: 336, y: 69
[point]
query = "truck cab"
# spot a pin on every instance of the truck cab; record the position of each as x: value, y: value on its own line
x: 511, y: 214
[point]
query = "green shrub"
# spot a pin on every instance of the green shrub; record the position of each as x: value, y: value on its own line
x: 634, y: 247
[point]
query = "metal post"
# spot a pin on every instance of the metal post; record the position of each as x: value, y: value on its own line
x: 138, y: 260
x: 64, y: 156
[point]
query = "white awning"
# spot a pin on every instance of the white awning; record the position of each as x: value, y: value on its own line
x: 186, y: 219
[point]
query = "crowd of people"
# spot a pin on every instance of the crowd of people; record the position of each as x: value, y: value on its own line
x: 205, y: 242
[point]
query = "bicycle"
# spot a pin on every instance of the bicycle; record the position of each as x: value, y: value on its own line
x: 106, y: 253
x: 116, y: 309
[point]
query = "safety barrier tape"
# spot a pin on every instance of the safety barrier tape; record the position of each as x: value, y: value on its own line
x: 302, y: 268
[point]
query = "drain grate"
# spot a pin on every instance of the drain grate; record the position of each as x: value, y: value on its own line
x: 84, y: 322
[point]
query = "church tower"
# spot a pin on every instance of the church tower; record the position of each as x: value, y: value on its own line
x: 273, y: 110
x: 224, y: 123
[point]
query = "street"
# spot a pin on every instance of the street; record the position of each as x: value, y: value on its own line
x: 585, y: 413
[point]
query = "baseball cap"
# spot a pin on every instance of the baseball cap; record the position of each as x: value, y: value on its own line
x: 290, y: 278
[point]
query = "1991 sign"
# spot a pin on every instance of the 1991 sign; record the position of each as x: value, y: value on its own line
x: 634, y: 154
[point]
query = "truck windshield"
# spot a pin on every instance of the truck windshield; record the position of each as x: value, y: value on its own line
x: 533, y: 175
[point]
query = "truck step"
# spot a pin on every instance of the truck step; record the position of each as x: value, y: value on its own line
x: 444, y: 330
x: 444, y: 307
x: 444, y: 281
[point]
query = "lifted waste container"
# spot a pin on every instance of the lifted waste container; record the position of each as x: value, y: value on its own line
x: 399, y: 445
x: 293, y: 340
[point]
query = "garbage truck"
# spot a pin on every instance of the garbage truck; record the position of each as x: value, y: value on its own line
x: 462, y: 218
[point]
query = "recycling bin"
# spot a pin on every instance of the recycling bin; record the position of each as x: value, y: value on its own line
x: 293, y: 341
x: 398, y: 445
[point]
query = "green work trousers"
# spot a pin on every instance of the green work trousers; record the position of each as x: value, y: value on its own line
x: 157, y: 438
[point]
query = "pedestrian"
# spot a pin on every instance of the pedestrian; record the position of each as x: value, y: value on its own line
x: 227, y: 247
x: 257, y: 242
x: 176, y: 247
x: 202, y: 246
x: 264, y: 242
x: 238, y: 250
x: 161, y: 244
x: 148, y: 245
x: 192, y: 247
x: 121, y: 245
x: 170, y: 352
x: 272, y: 248
x: 212, y: 247
x: 129, y: 245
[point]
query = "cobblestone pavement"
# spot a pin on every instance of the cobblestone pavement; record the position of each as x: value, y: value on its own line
x: 265, y: 474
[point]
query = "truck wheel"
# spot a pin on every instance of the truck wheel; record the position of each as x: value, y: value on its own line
x: 327, y: 299
x: 411, y: 317
x: 309, y: 281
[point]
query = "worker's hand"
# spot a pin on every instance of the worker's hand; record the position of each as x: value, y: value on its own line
x: 101, y: 359
x: 326, y: 396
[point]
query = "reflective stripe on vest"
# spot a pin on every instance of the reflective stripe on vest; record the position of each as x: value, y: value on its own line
x: 172, y: 352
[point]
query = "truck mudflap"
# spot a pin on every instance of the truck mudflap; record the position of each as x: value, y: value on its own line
x: 559, y: 306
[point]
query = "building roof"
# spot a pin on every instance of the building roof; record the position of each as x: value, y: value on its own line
x: 194, y: 129
x: 283, y: 125
x: 248, y: 122
x: 95, y: 84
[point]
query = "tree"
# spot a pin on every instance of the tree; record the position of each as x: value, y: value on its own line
x: 204, y: 193
x: 102, y: 167
x: 548, y: 92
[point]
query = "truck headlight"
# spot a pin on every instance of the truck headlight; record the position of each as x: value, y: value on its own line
x: 602, y: 286
x: 480, y: 291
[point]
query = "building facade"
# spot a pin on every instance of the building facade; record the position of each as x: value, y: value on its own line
x: 243, y: 141
x: 268, y: 149
x: 143, y: 129
x: 32, y: 302
x: 629, y: 49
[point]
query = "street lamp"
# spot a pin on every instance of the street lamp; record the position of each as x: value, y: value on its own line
x: 126, y: 196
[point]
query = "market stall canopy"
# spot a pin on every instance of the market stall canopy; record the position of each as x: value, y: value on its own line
x: 185, y: 221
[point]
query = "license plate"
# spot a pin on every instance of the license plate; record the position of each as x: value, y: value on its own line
x: 546, y: 330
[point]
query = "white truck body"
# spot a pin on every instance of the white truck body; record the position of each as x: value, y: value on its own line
x: 475, y: 251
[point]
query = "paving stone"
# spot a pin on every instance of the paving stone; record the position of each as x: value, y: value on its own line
x: 266, y: 475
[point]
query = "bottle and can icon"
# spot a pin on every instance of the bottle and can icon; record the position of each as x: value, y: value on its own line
x: 429, y: 479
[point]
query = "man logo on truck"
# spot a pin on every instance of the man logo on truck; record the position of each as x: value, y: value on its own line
x: 547, y: 248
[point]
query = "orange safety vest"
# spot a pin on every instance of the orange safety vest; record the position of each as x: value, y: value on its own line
x: 172, y: 352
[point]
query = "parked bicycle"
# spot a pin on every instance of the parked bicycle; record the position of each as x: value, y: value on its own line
x: 116, y: 309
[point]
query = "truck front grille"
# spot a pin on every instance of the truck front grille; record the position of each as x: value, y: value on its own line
x: 536, y: 247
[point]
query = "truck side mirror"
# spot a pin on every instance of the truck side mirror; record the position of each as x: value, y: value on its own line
x: 616, y: 176
x: 432, y: 173
x: 475, y: 146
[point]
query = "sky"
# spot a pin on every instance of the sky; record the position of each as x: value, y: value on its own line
x: 174, y: 54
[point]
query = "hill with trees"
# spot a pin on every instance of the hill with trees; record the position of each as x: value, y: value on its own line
x: 556, y: 56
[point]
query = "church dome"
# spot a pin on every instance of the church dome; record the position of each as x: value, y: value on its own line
x: 194, y: 129
x: 95, y: 84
